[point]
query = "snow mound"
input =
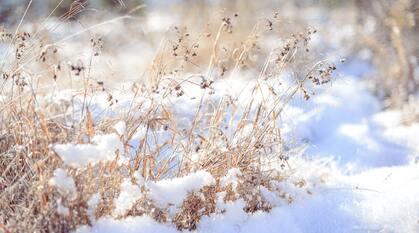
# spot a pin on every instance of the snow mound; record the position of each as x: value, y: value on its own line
x: 380, y: 200
x: 126, y: 199
x: 143, y: 224
x: 174, y: 191
x: 103, y: 148
x: 63, y: 182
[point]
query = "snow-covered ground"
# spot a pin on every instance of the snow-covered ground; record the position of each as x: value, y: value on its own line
x: 362, y: 162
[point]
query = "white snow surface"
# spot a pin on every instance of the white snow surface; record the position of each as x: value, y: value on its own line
x: 174, y: 191
x: 380, y: 200
x: 103, y: 148
x: 120, y: 127
x: 365, y: 158
x: 130, y: 193
x: 63, y: 182
x: 361, y: 162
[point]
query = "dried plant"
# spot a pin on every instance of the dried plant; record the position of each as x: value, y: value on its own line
x: 394, y: 58
x: 211, y: 141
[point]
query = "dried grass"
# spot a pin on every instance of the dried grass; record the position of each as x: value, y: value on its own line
x: 29, y: 127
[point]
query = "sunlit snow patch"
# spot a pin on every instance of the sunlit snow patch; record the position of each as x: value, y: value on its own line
x: 103, y: 148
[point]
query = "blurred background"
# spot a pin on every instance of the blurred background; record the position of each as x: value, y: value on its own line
x: 379, y: 37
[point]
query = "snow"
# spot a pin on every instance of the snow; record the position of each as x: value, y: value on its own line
x: 130, y: 193
x: 92, y: 204
x: 342, y: 122
x: 389, y: 198
x: 381, y: 200
x: 140, y: 132
x: 62, y: 210
x: 159, y: 22
x: 360, y: 164
x: 143, y: 224
x: 231, y: 178
x: 63, y: 182
x: 103, y: 148
x: 174, y: 191
x: 120, y: 127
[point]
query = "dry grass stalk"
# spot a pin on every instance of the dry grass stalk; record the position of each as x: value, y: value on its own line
x: 30, y: 203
